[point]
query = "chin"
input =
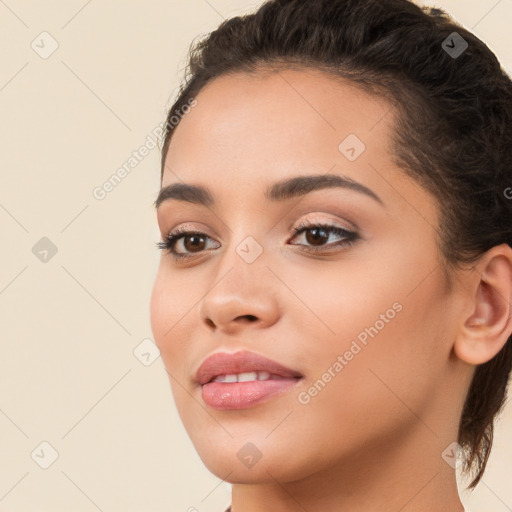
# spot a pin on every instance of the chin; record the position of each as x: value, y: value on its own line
x: 238, y: 460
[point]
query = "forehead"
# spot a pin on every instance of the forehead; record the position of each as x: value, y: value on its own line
x: 281, y: 121
x: 248, y: 133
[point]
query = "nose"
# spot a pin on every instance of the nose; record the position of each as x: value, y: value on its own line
x: 245, y: 296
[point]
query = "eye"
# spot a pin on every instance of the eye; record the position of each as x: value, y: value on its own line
x: 318, y: 234
x: 192, y: 242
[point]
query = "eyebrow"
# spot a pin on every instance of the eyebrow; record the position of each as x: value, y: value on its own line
x: 280, y: 191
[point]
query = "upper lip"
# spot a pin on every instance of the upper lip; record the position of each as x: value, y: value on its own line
x: 223, y: 363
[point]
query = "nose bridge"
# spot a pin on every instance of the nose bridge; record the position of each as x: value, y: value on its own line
x: 241, y: 289
x: 242, y: 267
x: 245, y: 258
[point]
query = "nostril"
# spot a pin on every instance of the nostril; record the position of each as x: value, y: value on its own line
x: 251, y: 318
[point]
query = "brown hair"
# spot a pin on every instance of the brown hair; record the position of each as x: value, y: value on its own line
x: 453, y: 131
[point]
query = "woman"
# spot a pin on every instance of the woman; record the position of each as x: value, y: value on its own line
x: 333, y: 300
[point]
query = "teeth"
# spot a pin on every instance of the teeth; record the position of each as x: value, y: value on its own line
x: 243, y: 377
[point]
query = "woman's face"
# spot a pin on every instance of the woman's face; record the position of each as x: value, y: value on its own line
x: 368, y: 324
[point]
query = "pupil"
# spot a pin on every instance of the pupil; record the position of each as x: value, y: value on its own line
x: 322, y: 237
x: 195, y: 239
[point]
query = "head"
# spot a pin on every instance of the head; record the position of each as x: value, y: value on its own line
x: 419, y: 293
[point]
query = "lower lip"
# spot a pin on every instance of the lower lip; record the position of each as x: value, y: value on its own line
x: 241, y: 395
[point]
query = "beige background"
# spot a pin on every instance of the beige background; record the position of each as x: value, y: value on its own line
x: 69, y: 325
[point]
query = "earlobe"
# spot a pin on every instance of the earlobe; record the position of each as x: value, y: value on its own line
x: 486, y: 330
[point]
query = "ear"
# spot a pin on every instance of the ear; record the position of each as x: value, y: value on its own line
x: 485, y: 331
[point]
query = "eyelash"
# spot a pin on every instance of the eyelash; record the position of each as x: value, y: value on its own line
x: 349, y: 238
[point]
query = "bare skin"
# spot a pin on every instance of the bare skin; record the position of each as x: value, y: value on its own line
x: 372, y: 439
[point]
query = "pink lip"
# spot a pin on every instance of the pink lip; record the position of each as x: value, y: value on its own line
x: 240, y: 395
x: 223, y: 363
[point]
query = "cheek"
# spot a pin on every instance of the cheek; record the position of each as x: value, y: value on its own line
x: 159, y: 313
x: 391, y: 334
x: 175, y: 324
x: 172, y: 328
x: 168, y: 314
x: 333, y: 305
x: 379, y: 391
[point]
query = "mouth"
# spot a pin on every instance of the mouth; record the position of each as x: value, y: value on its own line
x: 243, y: 379
x: 248, y: 377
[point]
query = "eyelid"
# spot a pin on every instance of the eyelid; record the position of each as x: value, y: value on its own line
x: 192, y: 226
x: 323, y: 218
x: 341, y: 218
